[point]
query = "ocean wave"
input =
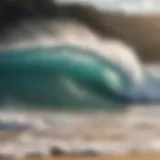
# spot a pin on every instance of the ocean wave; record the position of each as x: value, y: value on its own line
x: 75, y: 67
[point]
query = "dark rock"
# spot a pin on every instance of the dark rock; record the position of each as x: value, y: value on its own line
x: 84, y: 152
x: 88, y: 152
x: 56, y: 151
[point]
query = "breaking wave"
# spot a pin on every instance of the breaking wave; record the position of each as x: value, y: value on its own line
x: 64, y: 63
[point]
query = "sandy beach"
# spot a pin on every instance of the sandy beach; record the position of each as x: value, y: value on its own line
x: 135, y: 157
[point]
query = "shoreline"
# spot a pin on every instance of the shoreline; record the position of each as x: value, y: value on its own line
x: 124, y: 157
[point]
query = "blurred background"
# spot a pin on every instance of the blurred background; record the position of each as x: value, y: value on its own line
x: 128, y: 6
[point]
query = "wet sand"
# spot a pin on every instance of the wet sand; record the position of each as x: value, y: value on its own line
x: 132, y: 157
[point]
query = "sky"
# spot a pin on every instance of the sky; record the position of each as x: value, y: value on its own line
x: 129, y: 6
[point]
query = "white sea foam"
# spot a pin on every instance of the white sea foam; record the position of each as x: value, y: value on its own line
x: 51, y: 33
x: 135, y: 130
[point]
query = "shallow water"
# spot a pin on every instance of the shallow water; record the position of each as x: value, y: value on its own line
x: 135, y: 129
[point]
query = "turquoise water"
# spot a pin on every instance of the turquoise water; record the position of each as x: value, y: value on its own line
x: 67, y: 77
x: 62, y: 76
